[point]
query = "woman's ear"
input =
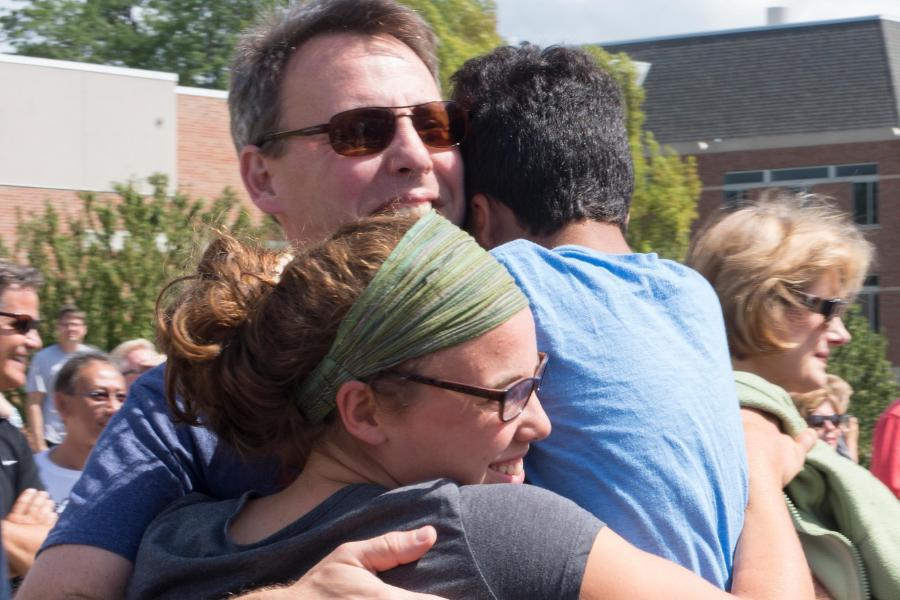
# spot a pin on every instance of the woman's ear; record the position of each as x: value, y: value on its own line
x: 356, y: 404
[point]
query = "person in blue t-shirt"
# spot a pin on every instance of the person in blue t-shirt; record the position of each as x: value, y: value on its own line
x: 647, y: 428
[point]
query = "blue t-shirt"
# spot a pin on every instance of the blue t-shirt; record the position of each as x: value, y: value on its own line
x: 142, y: 463
x: 647, y: 432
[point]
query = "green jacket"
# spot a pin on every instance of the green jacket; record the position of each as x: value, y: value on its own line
x: 847, y: 520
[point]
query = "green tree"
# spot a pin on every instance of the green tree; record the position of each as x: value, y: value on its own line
x: 465, y: 29
x: 863, y: 364
x: 193, y: 38
x: 113, y: 256
x: 666, y: 186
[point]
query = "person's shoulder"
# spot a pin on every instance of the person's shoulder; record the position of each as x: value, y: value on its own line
x: 48, y: 353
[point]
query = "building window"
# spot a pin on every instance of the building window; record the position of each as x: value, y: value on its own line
x: 865, y: 203
x: 856, y: 170
x: 738, y: 177
x: 801, y: 173
x: 868, y: 301
x: 734, y: 199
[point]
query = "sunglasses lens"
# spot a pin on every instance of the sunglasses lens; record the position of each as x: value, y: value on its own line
x: 439, y: 124
x: 361, y: 131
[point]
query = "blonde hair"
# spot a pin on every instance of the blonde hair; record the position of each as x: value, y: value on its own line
x: 836, y: 391
x: 757, y: 256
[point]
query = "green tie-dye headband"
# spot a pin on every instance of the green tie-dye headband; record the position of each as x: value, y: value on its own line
x: 438, y: 288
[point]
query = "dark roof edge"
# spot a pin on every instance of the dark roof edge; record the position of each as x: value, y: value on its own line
x: 893, y: 71
x: 682, y: 36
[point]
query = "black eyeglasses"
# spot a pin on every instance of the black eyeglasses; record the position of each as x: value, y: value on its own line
x: 104, y: 396
x: 819, y: 420
x: 827, y: 307
x: 512, y: 400
x: 369, y: 130
x: 21, y: 323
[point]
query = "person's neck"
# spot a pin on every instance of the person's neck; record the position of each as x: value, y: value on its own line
x: 758, y: 365
x: 606, y: 238
x: 68, y: 347
x: 70, y: 454
x: 330, y: 468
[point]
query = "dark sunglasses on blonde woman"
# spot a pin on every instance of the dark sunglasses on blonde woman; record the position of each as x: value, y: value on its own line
x: 369, y: 130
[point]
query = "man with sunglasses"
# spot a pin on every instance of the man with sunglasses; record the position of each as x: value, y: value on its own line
x: 27, y: 513
x: 89, y: 390
x: 336, y: 113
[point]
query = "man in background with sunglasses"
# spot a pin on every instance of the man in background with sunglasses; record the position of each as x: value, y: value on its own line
x: 27, y: 513
x: 335, y: 114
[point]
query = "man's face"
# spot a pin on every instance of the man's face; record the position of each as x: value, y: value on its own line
x: 14, y: 346
x: 98, y: 392
x: 313, y: 190
x: 71, y: 329
x: 137, y: 362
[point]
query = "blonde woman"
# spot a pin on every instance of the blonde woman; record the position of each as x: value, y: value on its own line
x: 785, y: 269
x: 825, y: 410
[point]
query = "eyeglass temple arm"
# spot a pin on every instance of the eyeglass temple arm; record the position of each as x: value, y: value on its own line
x: 314, y: 130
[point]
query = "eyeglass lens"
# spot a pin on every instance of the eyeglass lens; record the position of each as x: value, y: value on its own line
x: 363, y: 131
x: 517, y: 398
x: 820, y: 420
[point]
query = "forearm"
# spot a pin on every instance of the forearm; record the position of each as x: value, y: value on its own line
x: 769, y: 561
x: 34, y: 421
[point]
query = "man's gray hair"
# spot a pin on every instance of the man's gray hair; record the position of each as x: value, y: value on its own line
x: 120, y: 353
x: 20, y: 276
x: 262, y: 53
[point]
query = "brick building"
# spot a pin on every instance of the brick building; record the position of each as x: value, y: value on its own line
x: 67, y: 127
x: 809, y: 107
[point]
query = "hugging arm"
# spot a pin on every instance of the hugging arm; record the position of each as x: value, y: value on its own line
x: 349, y: 571
x: 769, y: 561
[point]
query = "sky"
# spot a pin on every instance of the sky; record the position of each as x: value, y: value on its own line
x: 548, y: 22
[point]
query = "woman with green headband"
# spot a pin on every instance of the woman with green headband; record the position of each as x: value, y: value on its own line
x: 395, y: 364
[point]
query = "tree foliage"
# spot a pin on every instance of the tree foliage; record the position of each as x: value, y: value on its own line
x: 863, y: 364
x: 666, y: 186
x: 195, y: 38
x: 465, y: 29
x: 113, y: 256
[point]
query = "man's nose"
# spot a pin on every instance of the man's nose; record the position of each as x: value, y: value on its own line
x: 407, y: 153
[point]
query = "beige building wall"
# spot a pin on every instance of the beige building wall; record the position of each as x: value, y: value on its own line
x: 76, y: 126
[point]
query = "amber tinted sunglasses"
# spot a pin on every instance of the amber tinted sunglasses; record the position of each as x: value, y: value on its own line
x: 21, y: 323
x: 369, y: 130
x: 512, y: 399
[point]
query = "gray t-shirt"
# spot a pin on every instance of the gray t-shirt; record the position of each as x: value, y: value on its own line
x: 42, y: 371
x: 494, y: 541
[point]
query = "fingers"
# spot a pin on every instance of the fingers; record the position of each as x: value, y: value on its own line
x: 33, y: 506
x: 806, y: 440
x: 387, y: 551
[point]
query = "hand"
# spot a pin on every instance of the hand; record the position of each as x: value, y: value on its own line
x: 348, y: 573
x: 771, y: 453
x: 33, y: 507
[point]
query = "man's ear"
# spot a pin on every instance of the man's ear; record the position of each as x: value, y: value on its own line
x: 60, y: 401
x: 356, y: 404
x: 480, y: 216
x: 258, y: 180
